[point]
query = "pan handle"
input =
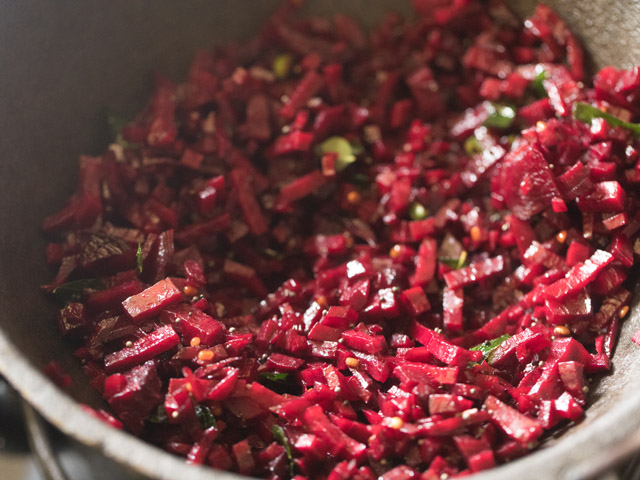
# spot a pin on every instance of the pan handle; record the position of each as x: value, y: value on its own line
x: 40, y: 444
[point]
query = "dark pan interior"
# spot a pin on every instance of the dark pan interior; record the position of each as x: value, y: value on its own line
x: 63, y: 63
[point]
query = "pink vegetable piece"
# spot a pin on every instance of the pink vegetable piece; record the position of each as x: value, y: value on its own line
x: 519, y: 427
x: 151, y: 301
x: 474, y: 272
x: 452, y: 303
x: 579, y: 276
x: 148, y: 347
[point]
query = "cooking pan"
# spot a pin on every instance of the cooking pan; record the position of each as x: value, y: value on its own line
x: 62, y: 63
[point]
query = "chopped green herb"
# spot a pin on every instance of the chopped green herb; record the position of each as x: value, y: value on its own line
x: 462, y: 260
x: 417, y: 211
x: 488, y: 347
x: 275, y: 377
x: 455, y: 263
x: 342, y: 147
x: 71, y: 291
x: 586, y: 113
x: 360, y: 180
x: 356, y: 147
x: 207, y: 420
x: 281, y: 437
x: 116, y: 123
x: 282, y: 65
x: 537, y: 84
x: 159, y: 416
x: 271, y: 253
x: 500, y: 116
x: 139, y: 258
x: 472, y: 146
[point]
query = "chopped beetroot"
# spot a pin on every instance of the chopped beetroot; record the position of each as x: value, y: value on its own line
x: 425, y: 262
x: 452, y: 303
x: 148, y: 347
x: 371, y: 344
x: 605, y: 197
x: 516, y: 425
x: 111, y: 298
x: 73, y: 320
x: 284, y: 363
x: 337, y: 442
x: 337, y: 254
x: 575, y: 182
x: 239, y: 180
x: 192, y: 322
x: 302, y: 187
x: 151, y: 301
x: 579, y: 276
x: 569, y: 309
x: 416, y: 301
x: 135, y: 394
x: 307, y: 87
x: 339, y: 317
x: 577, y: 253
x: 528, y: 185
x: 446, y: 403
x: 474, y: 272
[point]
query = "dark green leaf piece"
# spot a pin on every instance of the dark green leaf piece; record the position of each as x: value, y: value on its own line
x: 281, y: 438
x: 159, y: 416
x: 275, y: 376
x: 586, y: 113
x: 455, y: 263
x: 116, y: 123
x: 488, y: 347
x: 139, y: 258
x: 207, y: 420
x: 500, y: 116
x: 537, y: 84
x: 73, y: 291
x: 360, y: 180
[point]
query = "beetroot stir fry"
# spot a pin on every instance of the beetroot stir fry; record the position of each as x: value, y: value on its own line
x: 332, y: 253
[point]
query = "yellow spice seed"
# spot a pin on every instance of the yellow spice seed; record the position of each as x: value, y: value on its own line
x: 561, y: 236
x: 205, y: 355
x: 476, y: 233
x: 562, y: 330
x: 352, y: 362
x: 354, y: 197
x: 396, y: 423
x: 195, y: 341
x: 189, y: 291
x: 395, y: 251
x: 540, y: 125
x: 623, y: 311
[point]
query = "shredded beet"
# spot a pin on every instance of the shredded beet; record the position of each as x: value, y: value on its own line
x: 332, y: 253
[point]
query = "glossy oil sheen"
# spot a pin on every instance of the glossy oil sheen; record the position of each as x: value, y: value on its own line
x: 62, y: 63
